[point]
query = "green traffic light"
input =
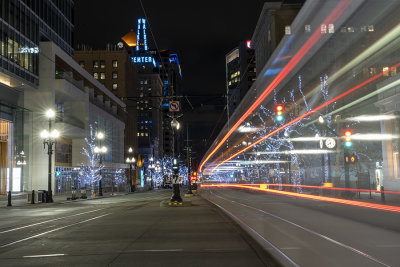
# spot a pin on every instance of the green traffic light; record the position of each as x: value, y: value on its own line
x: 348, y: 144
x: 279, y: 118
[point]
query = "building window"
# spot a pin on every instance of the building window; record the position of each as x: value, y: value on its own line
x: 138, y: 134
x: 102, y: 64
x: 331, y: 28
x: 115, y: 75
x: 307, y: 28
x: 82, y: 64
x: 385, y: 71
x: 147, y: 134
x: 287, y: 30
x: 115, y: 86
x: 115, y: 63
x: 371, y: 28
x: 323, y: 28
x: 145, y: 81
x: 102, y: 76
x: 141, y: 134
x: 96, y: 75
x: 350, y: 29
x: 95, y: 64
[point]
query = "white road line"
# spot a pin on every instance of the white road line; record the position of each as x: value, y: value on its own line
x: 42, y: 256
x: 162, y: 250
x: 47, y: 232
x: 313, y: 232
x: 52, y: 220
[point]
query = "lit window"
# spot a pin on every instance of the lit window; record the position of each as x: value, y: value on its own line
x: 95, y: 64
x: 102, y: 76
x: 115, y: 75
x: 115, y: 63
x: 141, y: 82
x: 385, y: 71
x: 141, y: 95
x: 371, y: 28
x: 115, y: 86
x: 138, y: 134
x: 287, y: 30
x: 96, y: 75
x: 147, y: 134
x: 363, y: 28
x: 102, y: 64
x: 229, y: 83
x: 350, y: 29
x: 331, y: 28
x: 307, y: 28
x: 323, y: 28
x: 393, y: 72
x: 145, y: 82
x: 141, y: 134
x: 82, y: 64
x: 343, y: 29
x: 149, y: 89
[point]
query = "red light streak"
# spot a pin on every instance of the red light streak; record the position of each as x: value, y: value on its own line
x: 318, y: 198
x: 333, y: 16
x: 305, y: 115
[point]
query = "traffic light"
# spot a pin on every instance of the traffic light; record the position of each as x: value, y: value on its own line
x: 347, y: 137
x: 279, y: 112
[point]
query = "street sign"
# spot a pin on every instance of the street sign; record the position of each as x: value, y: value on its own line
x: 173, y: 106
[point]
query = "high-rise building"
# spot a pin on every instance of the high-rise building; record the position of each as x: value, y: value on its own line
x: 171, y: 75
x: 273, y: 24
x: 149, y: 92
x: 23, y: 24
x: 240, y: 74
x: 114, y: 69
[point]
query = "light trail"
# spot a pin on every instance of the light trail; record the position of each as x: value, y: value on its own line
x: 305, y: 115
x: 332, y: 17
x: 318, y: 198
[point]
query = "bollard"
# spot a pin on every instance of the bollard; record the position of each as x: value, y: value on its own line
x: 9, y: 199
x: 383, y: 194
x: 33, y: 197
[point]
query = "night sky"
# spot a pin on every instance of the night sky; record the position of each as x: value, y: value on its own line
x: 201, y: 32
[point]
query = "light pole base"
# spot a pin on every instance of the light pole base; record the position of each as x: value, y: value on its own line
x: 176, y: 197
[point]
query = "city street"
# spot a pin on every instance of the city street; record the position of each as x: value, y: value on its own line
x: 129, y: 230
x: 313, y: 233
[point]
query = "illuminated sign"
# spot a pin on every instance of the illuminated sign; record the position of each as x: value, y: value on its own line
x: 141, y: 44
x: 144, y: 59
x: 174, y: 58
x: 29, y: 50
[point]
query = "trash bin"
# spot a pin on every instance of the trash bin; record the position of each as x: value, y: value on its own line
x: 42, y: 196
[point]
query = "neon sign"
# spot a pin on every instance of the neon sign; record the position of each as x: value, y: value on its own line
x: 29, y: 50
x: 141, y: 44
x: 144, y: 59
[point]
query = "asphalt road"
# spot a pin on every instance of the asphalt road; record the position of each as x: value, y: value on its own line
x: 130, y: 230
x: 311, y: 233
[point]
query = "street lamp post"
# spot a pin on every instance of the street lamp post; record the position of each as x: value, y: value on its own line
x: 49, y: 138
x: 100, y: 150
x: 151, y: 168
x: 176, y: 197
x: 130, y: 161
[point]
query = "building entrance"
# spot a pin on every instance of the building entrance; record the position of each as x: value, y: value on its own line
x: 4, y: 154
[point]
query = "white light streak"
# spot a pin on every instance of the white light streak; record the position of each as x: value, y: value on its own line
x: 246, y: 129
x: 373, y: 137
x: 372, y: 118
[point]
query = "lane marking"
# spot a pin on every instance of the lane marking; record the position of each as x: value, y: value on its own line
x: 163, y: 250
x: 52, y: 220
x: 42, y: 256
x: 50, y: 231
x: 312, y: 232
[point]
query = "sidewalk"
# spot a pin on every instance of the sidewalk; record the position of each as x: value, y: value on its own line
x: 21, y: 199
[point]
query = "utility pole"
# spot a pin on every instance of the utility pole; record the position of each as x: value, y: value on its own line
x: 188, y: 162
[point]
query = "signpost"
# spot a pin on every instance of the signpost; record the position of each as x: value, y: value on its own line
x: 174, y: 106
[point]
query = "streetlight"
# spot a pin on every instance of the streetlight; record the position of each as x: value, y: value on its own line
x: 49, y: 138
x: 100, y: 150
x: 130, y: 161
x: 176, y: 197
x: 151, y: 168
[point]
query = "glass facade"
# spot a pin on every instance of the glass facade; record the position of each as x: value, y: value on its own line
x: 15, y: 149
x: 23, y: 24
